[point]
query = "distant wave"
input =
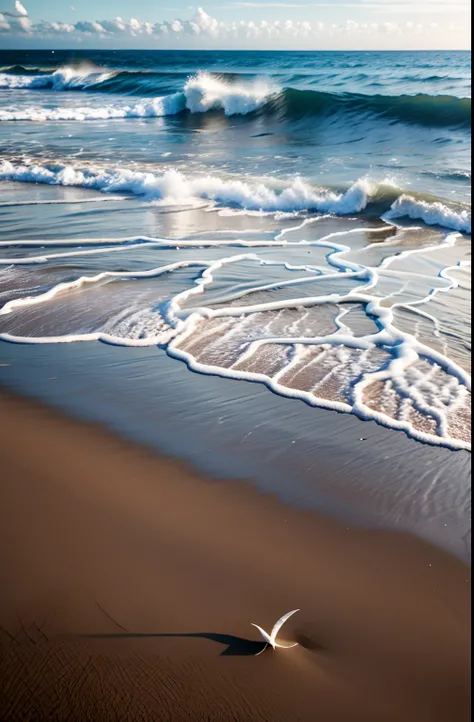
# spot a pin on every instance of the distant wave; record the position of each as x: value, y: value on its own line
x: 205, y: 92
x: 429, y: 110
x: 87, y: 77
x: 62, y: 79
x: 176, y: 188
x: 201, y: 93
x: 25, y: 70
x: 449, y: 174
x: 146, y: 108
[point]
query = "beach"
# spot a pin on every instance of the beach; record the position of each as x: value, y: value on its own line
x: 235, y: 382
x: 130, y: 584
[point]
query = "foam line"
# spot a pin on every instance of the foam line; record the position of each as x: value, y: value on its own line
x: 35, y: 260
x: 332, y: 257
x: 162, y: 338
x: 292, y: 282
x: 89, y: 280
x: 408, y: 352
x: 359, y: 409
x: 449, y: 240
x: 444, y: 274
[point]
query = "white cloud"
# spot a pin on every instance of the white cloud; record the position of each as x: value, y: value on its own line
x: 90, y: 28
x: 19, y: 11
x: 19, y: 8
x: 18, y: 21
x: 203, y: 30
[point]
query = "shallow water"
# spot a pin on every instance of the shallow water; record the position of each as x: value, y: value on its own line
x: 350, y: 314
x: 301, y: 220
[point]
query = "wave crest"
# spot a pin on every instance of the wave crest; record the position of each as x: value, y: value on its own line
x: 205, y: 92
x: 433, y: 214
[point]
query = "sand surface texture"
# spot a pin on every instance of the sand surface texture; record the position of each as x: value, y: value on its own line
x: 129, y: 584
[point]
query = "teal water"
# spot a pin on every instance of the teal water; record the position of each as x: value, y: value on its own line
x: 331, y: 117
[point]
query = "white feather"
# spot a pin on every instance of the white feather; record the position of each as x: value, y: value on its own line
x: 271, y: 638
x: 266, y: 636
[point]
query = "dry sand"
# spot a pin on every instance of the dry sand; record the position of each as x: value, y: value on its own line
x: 128, y: 585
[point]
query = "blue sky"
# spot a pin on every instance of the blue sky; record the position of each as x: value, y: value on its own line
x: 259, y: 24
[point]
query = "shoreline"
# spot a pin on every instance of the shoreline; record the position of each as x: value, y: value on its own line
x: 310, y: 458
x: 134, y: 581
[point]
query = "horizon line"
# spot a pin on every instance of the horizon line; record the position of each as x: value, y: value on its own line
x: 248, y: 50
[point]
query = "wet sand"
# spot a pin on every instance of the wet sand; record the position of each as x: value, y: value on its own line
x: 129, y: 585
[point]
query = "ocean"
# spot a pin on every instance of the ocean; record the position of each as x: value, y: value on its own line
x: 300, y: 220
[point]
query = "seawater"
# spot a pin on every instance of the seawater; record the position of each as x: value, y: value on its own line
x: 297, y: 219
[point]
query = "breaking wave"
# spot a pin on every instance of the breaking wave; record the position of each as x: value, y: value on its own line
x: 433, y: 214
x: 207, y: 92
x: 176, y: 188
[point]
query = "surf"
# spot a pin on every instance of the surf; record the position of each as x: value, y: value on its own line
x: 173, y: 187
x: 210, y: 92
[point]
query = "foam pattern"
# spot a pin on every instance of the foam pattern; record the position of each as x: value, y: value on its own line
x: 339, y: 350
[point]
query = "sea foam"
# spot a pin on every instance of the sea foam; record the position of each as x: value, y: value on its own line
x: 433, y: 214
x: 263, y: 342
x: 201, y: 93
x: 149, y: 108
x: 204, y: 92
x: 175, y: 188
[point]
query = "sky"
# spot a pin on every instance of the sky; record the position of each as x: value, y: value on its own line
x: 236, y: 24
